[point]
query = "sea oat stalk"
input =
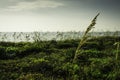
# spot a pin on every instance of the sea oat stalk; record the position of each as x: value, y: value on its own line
x: 85, y: 37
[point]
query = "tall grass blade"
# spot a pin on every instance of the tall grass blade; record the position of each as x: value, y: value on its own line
x: 85, y: 37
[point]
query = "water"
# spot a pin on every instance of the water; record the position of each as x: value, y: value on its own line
x: 32, y: 36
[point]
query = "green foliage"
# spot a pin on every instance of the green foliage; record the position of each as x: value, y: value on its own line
x: 2, y: 53
x: 52, y: 60
x: 29, y: 76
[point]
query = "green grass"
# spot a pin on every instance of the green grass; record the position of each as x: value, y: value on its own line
x: 52, y: 60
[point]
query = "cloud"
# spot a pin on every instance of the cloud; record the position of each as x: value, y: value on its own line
x: 32, y: 5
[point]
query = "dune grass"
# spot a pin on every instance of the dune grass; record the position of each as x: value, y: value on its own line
x: 85, y: 36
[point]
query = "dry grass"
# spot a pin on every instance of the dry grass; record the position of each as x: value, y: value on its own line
x: 85, y: 37
x: 118, y: 45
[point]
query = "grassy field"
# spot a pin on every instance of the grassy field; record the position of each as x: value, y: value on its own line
x: 53, y: 60
x: 88, y: 58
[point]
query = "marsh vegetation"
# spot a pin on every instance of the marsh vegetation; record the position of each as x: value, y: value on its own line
x: 81, y: 58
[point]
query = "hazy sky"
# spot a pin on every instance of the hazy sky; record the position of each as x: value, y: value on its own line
x: 58, y: 15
